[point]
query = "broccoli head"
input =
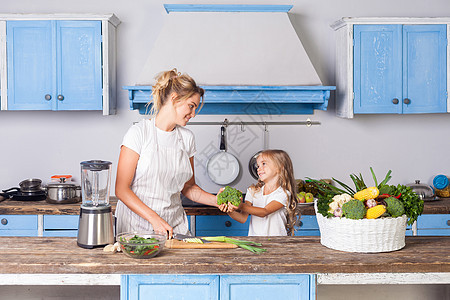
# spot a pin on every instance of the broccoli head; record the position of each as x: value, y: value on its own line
x: 394, y: 207
x: 231, y: 195
x: 354, y: 209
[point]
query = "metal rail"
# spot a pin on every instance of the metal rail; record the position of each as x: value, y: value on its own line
x: 226, y: 123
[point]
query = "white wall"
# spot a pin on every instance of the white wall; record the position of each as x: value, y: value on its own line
x: 41, y: 144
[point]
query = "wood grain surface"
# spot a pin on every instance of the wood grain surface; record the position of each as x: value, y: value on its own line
x: 176, y: 244
x: 60, y: 255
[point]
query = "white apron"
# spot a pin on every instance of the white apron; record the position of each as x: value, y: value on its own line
x: 164, y: 171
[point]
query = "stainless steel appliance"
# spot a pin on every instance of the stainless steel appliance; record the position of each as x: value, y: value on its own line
x: 96, y: 226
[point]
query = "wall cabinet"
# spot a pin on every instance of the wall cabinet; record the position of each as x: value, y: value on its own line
x: 391, y: 66
x: 59, y: 64
x: 248, y: 286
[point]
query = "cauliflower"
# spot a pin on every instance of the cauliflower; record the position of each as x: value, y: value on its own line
x: 338, y: 201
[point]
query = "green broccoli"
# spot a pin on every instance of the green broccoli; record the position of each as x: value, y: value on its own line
x: 354, y: 209
x: 231, y: 195
x: 394, y: 207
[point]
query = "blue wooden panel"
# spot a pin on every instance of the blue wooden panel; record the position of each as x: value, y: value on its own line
x: 225, y: 8
x: 19, y: 222
x: 377, y: 68
x: 31, y: 64
x: 425, y: 68
x: 79, y: 65
x: 435, y: 221
x: 188, y: 287
x: 61, y: 222
x: 217, y: 226
x: 68, y: 233
x: 248, y: 100
x: 433, y: 232
x: 308, y: 226
x: 276, y: 286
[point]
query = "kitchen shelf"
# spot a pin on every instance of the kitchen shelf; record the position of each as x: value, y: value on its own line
x: 248, y: 100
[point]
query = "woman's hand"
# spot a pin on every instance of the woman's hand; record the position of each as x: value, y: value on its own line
x: 161, y: 226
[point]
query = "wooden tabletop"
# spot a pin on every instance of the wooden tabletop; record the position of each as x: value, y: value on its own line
x: 10, y: 207
x: 45, y: 255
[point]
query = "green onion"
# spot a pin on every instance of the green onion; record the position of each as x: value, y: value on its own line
x: 248, y: 245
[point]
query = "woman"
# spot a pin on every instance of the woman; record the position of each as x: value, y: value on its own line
x: 156, y: 161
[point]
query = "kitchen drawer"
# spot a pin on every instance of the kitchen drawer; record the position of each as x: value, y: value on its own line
x: 220, y: 225
x: 308, y: 226
x: 61, y: 225
x: 18, y: 225
x: 433, y: 224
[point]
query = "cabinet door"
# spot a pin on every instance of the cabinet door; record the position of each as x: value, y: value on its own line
x: 79, y: 78
x: 188, y: 287
x: 433, y: 225
x: 377, y: 68
x: 18, y: 225
x: 220, y: 225
x: 61, y: 225
x: 31, y: 64
x: 307, y: 226
x: 425, y: 68
x: 298, y: 287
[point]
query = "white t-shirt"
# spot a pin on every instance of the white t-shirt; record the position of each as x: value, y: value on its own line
x: 140, y: 134
x: 273, y: 224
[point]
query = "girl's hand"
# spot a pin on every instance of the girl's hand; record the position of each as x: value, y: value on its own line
x: 223, y: 207
x: 232, y: 208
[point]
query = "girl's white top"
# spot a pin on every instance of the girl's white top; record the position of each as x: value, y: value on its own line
x: 273, y: 224
x: 162, y: 170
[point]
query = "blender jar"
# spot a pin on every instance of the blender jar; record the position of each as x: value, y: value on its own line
x: 95, y: 182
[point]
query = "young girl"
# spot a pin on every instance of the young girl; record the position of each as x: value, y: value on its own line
x: 272, y: 201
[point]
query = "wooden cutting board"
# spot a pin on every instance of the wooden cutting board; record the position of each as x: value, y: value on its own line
x: 177, y: 244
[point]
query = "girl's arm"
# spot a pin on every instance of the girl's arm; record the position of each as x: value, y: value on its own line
x: 195, y: 193
x: 273, y: 206
x: 126, y: 169
x: 238, y: 215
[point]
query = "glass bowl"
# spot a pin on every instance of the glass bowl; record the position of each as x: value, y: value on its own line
x: 141, y: 244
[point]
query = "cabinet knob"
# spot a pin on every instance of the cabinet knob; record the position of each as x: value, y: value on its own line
x: 395, y: 101
x: 60, y: 97
x: 448, y: 222
x: 48, y: 97
x: 227, y: 223
x: 4, y: 221
x: 300, y: 223
x: 406, y: 101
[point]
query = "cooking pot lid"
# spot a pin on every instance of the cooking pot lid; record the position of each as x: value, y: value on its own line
x: 424, y: 191
x: 61, y: 185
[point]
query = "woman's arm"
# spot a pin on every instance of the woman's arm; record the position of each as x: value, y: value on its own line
x: 126, y: 169
x: 195, y: 193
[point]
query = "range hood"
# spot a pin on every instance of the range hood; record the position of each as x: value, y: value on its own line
x: 248, y: 58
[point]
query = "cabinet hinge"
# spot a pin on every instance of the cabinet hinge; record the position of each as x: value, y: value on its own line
x: 353, y: 95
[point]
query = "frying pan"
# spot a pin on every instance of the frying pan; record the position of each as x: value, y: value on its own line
x: 252, y: 166
x: 223, y: 167
x: 16, y: 194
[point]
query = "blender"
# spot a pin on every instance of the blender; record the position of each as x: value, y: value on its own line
x: 95, y: 226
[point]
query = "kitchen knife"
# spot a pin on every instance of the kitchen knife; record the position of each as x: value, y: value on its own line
x: 182, y: 237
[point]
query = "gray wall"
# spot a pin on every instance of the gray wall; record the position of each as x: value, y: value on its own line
x: 41, y: 144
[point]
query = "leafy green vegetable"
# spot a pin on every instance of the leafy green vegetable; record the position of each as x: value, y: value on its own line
x: 132, y: 246
x: 411, y: 202
x: 248, y: 245
x: 229, y: 194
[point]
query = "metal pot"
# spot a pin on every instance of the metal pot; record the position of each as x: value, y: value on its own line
x: 63, y: 193
x: 30, y: 185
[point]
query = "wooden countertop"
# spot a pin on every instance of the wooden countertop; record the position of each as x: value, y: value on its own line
x: 10, y: 207
x: 61, y: 255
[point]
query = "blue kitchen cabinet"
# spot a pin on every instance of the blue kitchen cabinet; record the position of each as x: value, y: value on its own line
x: 307, y: 226
x: 54, y: 65
x: 400, y: 69
x: 18, y: 225
x: 61, y: 225
x: 220, y: 225
x: 435, y: 224
x: 249, y: 286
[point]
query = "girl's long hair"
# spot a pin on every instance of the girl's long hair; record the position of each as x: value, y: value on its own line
x: 286, y: 180
x: 172, y: 81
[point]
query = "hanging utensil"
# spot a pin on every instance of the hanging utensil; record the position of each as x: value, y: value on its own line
x: 252, y: 166
x: 223, y: 168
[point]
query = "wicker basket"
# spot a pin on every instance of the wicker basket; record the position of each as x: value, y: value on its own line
x: 366, y: 235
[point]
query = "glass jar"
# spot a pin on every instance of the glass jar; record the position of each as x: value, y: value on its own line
x: 441, y: 185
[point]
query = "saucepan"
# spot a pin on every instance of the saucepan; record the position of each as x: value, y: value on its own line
x: 223, y: 167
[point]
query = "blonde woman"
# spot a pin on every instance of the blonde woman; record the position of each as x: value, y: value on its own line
x: 271, y: 202
x: 156, y: 161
